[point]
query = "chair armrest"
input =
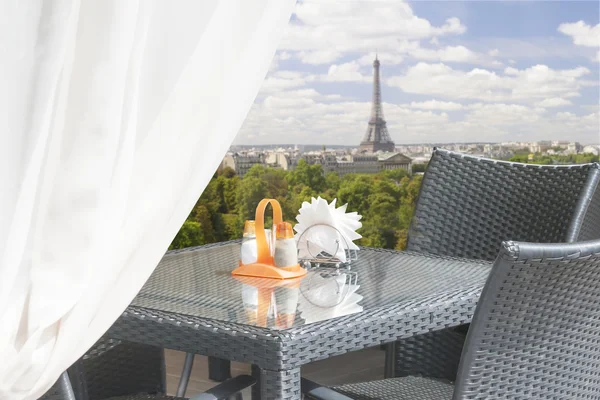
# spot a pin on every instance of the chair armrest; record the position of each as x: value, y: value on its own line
x: 227, y: 389
x: 318, y: 392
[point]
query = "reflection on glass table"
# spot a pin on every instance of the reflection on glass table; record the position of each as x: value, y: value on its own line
x: 327, y: 293
x: 318, y: 296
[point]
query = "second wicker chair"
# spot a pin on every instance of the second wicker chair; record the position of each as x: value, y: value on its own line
x: 467, y: 206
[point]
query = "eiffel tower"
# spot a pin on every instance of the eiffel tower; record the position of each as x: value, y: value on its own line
x: 377, y: 136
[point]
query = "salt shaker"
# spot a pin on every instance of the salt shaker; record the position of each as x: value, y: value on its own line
x: 286, y: 251
x: 249, y: 251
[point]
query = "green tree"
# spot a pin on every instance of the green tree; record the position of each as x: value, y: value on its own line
x: 385, y: 200
x: 332, y: 181
x: 372, y: 236
x: 522, y: 158
x: 250, y: 192
x: 205, y: 220
x: 189, y: 235
x: 402, y: 239
x: 232, y: 227
x: 227, y: 172
x: 355, y: 190
x: 419, y: 167
x: 308, y: 175
x: 230, y: 189
x: 395, y: 174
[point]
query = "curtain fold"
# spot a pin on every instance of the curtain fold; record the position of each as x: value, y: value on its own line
x: 115, y: 116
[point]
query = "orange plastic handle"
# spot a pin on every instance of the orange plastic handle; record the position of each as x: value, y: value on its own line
x: 264, y: 255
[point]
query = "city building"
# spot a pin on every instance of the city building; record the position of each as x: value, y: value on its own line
x: 394, y: 161
x: 280, y: 160
x: 573, y: 148
x: 540, y: 147
x: 241, y: 163
x: 590, y: 149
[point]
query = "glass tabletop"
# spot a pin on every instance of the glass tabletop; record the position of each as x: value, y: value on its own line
x: 199, y: 283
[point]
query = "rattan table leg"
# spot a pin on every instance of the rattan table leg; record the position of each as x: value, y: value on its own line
x: 219, y: 370
x: 276, y: 385
x: 390, y: 360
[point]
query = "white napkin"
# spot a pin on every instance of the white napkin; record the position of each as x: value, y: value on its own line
x: 325, y: 298
x: 316, y: 229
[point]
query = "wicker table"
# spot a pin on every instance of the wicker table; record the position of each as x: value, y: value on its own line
x: 193, y: 304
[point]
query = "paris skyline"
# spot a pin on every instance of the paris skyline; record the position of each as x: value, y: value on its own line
x: 450, y: 72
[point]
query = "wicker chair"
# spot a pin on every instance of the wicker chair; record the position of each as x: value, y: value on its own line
x: 128, y: 371
x: 535, y: 334
x: 466, y: 208
x: 585, y: 224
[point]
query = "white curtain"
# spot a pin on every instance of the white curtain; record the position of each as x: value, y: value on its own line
x: 115, y: 115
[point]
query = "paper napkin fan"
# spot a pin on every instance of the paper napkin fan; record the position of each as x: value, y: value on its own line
x: 322, y: 227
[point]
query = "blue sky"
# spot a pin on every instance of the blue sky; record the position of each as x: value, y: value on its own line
x: 451, y: 72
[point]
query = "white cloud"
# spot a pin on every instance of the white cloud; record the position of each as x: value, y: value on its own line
x: 312, y: 94
x: 534, y: 49
x: 281, y: 80
x: 534, y: 83
x: 436, y: 105
x: 453, y: 54
x: 501, y: 114
x: 582, y: 33
x: 446, y: 54
x: 443, y: 100
x: 330, y: 28
x: 458, y: 54
x: 591, y: 107
x: 279, y: 56
x: 318, y: 57
x: 310, y: 119
x: 307, y: 116
x: 554, y: 102
x: 576, y: 124
x: 565, y: 115
x: 386, y: 58
x: 347, y: 72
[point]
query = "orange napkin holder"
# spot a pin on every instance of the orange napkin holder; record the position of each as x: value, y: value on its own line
x: 264, y: 267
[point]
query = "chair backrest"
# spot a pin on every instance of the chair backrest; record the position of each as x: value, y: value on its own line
x: 536, y: 329
x: 585, y: 225
x: 468, y: 205
x: 113, y: 368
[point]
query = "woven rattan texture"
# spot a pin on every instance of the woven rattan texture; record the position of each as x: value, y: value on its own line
x: 101, y: 346
x: 127, y: 368
x: 590, y: 224
x: 404, y: 294
x: 279, y: 385
x: 409, y: 388
x: 115, y: 368
x: 468, y: 205
x: 536, y: 333
x: 435, y: 354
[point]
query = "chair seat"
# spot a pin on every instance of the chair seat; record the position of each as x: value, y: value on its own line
x: 406, y: 388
